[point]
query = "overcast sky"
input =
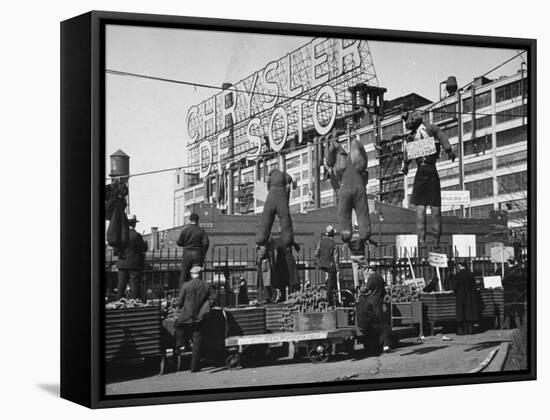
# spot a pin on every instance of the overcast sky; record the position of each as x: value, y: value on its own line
x: 147, y: 119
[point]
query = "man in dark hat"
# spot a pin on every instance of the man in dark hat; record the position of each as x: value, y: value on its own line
x: 370, y: 312
x: 132, y: 261
x: 194, y: 241
x: 467, y: 308
x: 427, y: 188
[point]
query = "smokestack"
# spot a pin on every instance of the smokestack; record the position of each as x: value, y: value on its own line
x: 155, y: 238
x: 451, y: 85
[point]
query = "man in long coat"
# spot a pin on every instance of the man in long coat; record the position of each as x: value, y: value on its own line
x: 131, y: 262
x: 194, y: 241
x: 195, y: 301
x: 370, y: 313
x: 467, y: 303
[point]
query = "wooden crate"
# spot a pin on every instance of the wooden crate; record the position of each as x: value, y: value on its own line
x: 274, y: 317
x: 132, y: 333
x: 245, y: 321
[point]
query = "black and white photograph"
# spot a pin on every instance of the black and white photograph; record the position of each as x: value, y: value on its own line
x: 289, y: 209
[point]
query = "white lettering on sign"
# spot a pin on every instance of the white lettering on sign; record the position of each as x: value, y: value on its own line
x: 276, y: 146
x: 202, y: 146
x: 306, y: 89
x: 254, y: 139
x: 420, y: 148
x: 455, y: 198
x: 325, y: 91
x: 318, y: 59
x: 437, y: 260
x: 270, y: 101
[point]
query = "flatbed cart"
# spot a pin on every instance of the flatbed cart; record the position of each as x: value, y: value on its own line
x: 318, y: 334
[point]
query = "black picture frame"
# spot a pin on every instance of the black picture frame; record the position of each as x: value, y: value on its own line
x: 82, y: 181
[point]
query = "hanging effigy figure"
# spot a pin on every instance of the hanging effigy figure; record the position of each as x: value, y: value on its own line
x: 426, y: 188
x: 276, y: 203
x: 351, y: 177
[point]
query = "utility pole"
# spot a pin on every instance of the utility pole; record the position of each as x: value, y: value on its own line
x: 459, y: 147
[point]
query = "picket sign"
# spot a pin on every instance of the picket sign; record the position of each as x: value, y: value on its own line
x: 420, y: 148
x: 437, y: 260
x: 492, y: 282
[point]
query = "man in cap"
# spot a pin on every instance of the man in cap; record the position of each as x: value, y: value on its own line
x: 131, y: 262
x: 370, y: 312
x: 426, y: 188
x: 195, y: 301
x: 194, y: 241
x: 328, y: 258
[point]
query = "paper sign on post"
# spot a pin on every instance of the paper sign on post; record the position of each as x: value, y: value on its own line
x: 260, y: 190
x: 421, y: 147
x: 455, y: 198
x: 437, y: 260
x: 464, y: 245
x: 500, y: 254
x: 407, y: 245
x: 492, y: 282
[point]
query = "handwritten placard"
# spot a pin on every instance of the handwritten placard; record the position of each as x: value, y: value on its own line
x: 501, y: 253
x: 455, y: 198
x: 421, y: 147
x: 437, y: 260
x: 492, y: 282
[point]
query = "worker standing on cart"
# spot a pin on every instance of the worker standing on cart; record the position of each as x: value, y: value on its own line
x: 370, y: 313
x: 194, y: 241
x: 194, y: 301
x: 328, y: 258
x: 131, y: 262
x: 358, y: 258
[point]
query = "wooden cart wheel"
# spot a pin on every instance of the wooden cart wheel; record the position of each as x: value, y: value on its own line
x: 319, y: 353
x: 233, y: 361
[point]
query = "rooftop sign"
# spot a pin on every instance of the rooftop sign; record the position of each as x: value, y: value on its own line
x: 306, y: 88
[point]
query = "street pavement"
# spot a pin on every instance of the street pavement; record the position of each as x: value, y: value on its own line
x: 434, y: 355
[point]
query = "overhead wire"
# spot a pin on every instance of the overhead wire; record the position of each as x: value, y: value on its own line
x: 289, y: 149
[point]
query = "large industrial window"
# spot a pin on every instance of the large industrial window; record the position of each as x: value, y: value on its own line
x: 511, y: 136
x: 293, y: 162
x: 511, y: 90
x: 448, y: 173
x: 451, y: 131
x: 513, y: 182
x: 367, y: 138
x: 481, y: 212
x: 480, y: 189
x: 511, y: 114
x: 482, y: 100
x: 389, y: 131
x: 478, y: 167
x: 512, y: 159
x: 478, y: 145
x: 444, y: 113
x: 481, y: 123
